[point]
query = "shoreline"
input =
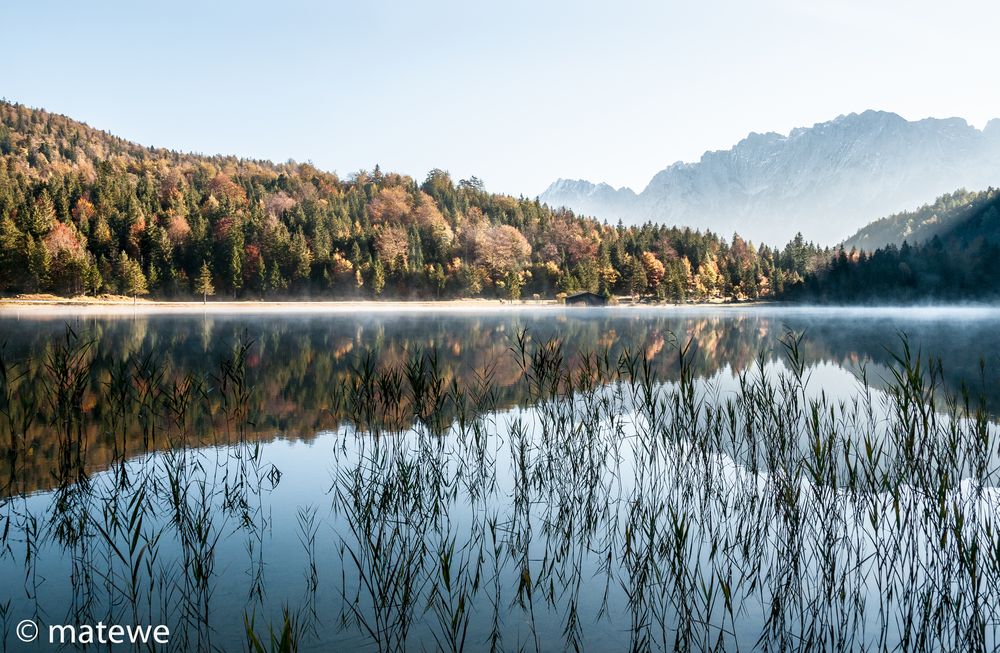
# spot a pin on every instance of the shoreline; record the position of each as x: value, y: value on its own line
x: 117, y: 304
x: 49, y: 306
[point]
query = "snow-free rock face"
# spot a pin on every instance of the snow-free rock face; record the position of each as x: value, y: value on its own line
x: 590, y: 199
x: 825, y: 181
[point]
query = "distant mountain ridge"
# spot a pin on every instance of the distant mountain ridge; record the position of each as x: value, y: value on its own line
x: 826, y: 181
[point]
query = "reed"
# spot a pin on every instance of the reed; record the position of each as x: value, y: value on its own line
x: 614, y: 508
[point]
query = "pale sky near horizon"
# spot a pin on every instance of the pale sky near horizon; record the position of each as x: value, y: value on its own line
x: 517, y: 93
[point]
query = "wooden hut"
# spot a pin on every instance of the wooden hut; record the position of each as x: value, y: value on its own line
x: 586, y: 298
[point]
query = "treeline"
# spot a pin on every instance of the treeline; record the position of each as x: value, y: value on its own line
x: 960, y: 264
x: 934, y: 219
x: 83, y: 212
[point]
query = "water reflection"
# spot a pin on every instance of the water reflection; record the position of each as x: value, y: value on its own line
x: 515, y: 513
x: 295, y: 360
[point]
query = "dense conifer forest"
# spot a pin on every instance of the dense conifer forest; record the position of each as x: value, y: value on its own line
x: 84, y: 212
x: 934, y: 219
x: 961, y: 262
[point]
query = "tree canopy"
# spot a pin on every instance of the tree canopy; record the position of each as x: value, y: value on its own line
x: 82, y: 211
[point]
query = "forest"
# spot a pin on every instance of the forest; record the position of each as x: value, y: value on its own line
x: 83, y: 212
x: 918, y: 226
x: 957, y: 264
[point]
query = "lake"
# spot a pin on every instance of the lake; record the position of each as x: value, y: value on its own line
x: 514, y: 479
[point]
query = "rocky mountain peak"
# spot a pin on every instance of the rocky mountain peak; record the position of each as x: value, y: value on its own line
x: 826, y: 181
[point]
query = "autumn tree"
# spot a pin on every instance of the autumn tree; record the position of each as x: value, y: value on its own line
x: 655, y: 272
x: 390, y: 205
x: 707, y: 278
x: 433, y: 227
x: 67, y: 258
x: 392, y: 243
x: 502, y: 250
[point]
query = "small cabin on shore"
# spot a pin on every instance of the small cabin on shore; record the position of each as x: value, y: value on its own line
x: 586, y: 299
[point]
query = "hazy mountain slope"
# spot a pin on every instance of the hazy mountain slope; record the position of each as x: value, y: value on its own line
x: 921, y: 225
x: 958, y: 263
x: 591, y: 199
x: 825, y: 181
x: 981, y: 225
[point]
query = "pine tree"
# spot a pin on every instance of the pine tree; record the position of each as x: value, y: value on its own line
x: 378, y: 277
x: 93, y: 280
x: 637, y: 280
x: 301, y: 256
x: 276, y: 282
x: 415, y: 250
x: 133, y: 281
x: 515, y: 282
x: 38, y: 263
x: 42, y: 216
x: 262, y: 278
x: 235, y: 268
x: 11, y: 258
x: 203, y: 284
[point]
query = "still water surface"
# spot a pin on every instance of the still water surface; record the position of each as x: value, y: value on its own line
x: 294, y: 537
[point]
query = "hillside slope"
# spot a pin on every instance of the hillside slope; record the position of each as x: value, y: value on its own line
x: 958, y: 263
x: 82, y: 211
x: 915, y: 227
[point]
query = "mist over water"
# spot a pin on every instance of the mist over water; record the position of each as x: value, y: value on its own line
x: 312, y: 342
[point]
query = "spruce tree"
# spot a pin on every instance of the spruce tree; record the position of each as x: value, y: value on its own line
x: 133, y: 281
x: 378, y: 277
x: 203, y: 284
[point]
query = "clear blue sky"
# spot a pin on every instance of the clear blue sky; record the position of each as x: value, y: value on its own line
x: 517, y: 93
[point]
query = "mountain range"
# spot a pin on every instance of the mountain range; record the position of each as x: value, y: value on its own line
x: 825, y: 181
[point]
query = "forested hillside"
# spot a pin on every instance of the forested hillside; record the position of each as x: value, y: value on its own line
x: 918, y: 226
x: 82, y: 211
x: 959, y: 263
